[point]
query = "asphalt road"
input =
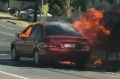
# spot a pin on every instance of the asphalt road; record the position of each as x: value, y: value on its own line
x: 26, y: 69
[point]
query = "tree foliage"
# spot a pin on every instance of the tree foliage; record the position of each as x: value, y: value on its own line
x: 80, y: 3
x: 56, y: 7
x: 68, y: 8
x: 61, y: 7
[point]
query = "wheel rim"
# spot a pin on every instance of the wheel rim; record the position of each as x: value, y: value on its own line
x: 36, y: 58
x: 13, y: 54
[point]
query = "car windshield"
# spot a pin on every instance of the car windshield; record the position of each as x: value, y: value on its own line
x: 52, y: 30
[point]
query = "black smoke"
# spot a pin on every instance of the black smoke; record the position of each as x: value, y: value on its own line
x: 112, y: 22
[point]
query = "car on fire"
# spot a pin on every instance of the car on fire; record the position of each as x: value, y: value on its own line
x: 51, y: 42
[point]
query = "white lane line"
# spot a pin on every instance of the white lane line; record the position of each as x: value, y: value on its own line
x: 113, y: 73
x: 7, y: 27
x: 3, y: 54
x: 17, y: 76
x: 7, y: 33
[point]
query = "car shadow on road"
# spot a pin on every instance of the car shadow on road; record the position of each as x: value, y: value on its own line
x: 29, y: 63
x: 61, y: 69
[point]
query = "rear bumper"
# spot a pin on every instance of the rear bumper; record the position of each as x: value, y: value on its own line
x: 70, y: 56
x: 66, y: 55
x: 56, y: 50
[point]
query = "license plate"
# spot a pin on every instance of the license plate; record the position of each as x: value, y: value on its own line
x: 69, y: 45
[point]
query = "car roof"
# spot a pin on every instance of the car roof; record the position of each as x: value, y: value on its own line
x: 58, y: 24
x: 63, y: 25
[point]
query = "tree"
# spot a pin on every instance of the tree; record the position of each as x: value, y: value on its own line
x: 56, y: 7
x: 80, y: 3
x: 68, y: 7
x: 62, y: 7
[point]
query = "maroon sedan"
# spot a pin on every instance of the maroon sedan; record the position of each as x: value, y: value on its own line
x: 51, y: 42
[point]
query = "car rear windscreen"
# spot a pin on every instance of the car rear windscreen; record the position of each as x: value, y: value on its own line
x: 57, y: 30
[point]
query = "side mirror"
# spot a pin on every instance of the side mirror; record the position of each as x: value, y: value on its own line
x: 17, y: 34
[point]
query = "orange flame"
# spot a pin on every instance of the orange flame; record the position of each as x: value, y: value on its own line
x: 98, y: 61
x: 90, y: 24
x: 67, y: 62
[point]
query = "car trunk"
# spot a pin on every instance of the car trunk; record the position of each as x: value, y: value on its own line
x: 67, y: 42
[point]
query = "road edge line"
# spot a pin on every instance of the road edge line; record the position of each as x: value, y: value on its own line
x: 112, y: 73
x: 10, y: 74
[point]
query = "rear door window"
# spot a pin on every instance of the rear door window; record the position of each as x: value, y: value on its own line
x: 37, y: 33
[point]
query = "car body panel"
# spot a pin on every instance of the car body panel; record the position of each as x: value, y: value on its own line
x: 65, y: 46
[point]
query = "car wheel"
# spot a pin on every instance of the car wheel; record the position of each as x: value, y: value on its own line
x: 14, y: 56
x: 37, y: 59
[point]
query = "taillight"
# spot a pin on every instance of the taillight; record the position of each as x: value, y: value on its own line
x: 49, y: 46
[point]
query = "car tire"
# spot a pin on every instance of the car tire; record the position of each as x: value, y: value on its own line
x: 14, y: 56
x: 37, y: 59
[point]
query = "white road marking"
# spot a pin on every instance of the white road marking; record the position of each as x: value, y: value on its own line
x: 17, y: 76
x: 3, y: 54
x: 113, y: 73
x: 7, y: 33
x: 7, y: 27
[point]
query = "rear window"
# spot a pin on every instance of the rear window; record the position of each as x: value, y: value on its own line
x: 56, y: 30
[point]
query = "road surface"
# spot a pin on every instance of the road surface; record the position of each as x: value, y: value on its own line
x: 26, y: 69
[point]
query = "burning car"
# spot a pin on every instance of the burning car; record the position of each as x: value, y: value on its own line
x: 51, y: 42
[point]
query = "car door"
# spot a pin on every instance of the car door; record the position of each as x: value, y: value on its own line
x: 21, y: 40
x: 31, y: 42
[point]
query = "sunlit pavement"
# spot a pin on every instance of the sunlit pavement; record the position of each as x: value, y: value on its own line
x: 27, y: 70
x: 6, y: 15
